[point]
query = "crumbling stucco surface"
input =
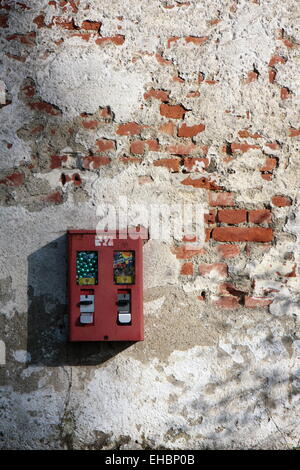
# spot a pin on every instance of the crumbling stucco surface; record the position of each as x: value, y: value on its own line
x: 168, y: 101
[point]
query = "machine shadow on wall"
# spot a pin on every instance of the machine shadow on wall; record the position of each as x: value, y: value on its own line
x: 47, y: 328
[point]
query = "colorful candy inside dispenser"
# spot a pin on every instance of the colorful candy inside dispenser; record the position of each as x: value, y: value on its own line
x: 87, y: 267
x: 124, y: 267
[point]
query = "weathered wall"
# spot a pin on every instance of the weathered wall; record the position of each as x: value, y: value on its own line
x: 165, y: 101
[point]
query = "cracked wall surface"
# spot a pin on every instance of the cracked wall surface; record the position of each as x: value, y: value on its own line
x: 168, y: 101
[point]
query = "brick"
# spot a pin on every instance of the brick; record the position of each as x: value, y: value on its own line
x: 14, y: 179
x: 232, y: 216
x: 227, y: 302
x: 241, y: 234
x: 200, y: 183
x: 160, y: 95
x: 187, y: 269
x: 63, y: 23
x: 228, y: 251
x: 4, y: 21
x: 210, y: 217
x: 27, y: 38
x: 57, y: 161
x: 168, y: 128
x: 270, y: 164
x: 44, y: 107
x: 94, y: 162
x: 276, y: 59
x: 244, y: 134
x: 181, y: 149
x: 92, y: 124
x: 184, y: 252
x: 91, y: 25
x: 219, y: 270
x: 260, y: 216
x: 190, y: 131
x: 294, y: 132
x: 284, y: 93
x: 118, y: 40
x: 252, y: 76
x: 281, y: 201
x: 172, y: 164
x: 39, y: 21
x: 221, y: 199
x: 195, y: 164
x: 130, y: 128
x: 55, y: 198
x: 198, y: 41
x: 272, y: 75
x: 242, y: 147
x: 256, y: 302
x: 228, y: 288
x: 104, y: 145
x: 172, y: 111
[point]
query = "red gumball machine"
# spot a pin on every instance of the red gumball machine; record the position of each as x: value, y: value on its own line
x: 105, y: 284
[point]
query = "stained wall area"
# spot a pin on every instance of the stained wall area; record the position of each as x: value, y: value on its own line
x: 160, y: 102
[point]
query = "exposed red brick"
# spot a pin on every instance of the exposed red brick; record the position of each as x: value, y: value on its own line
x: 29, y: 90
x: 192, y: 164
x: 57, y: 161
x: 193, y: 94
x: 252, y: 76
x: 227, y: 302
x: 162, y: 61
x: 172, y: 111
x: 55, y: 198
x: 228, y: 251
x: 138, y: 147
x: 221, y: 199
x: 284, y: 93
x: 189, y: 238
x: 294, y: 132
x: 272, y: 75
x: 196, y: 40
x: 200, y: 183
x: 277, y: 59
x: 168, y: 128
x: 91, y: 25
x: 245, y: 134
x: 157, y: 94
x: 105, y: 145
x: 93, y: 124
x: 84, y: 36
x: 14, y: 179
x: 273, y: 145
x: 210, y: 217
x: 256, y: 302
x: 23, y: 6
x: 232, y: 216
x: 118, y: 40
x: 172, y: 39
x: 218, y: 269
x: 63, y: 23
x: 281, y: 201
x: 190, y: 131
x: 173, y: 164
x: 4, y: 21
x: 267, y: 176
x: 130, y: 128
x: 39, y: 21
x: 44, y: 107
x: 178, y: 79
x: 270, y: 164
x: 181, y: 149
x: 19, y: 58
x: 242, y: 234
x: 27, y: 38
x: 126, y: 159
x: 184, y: 252
x: 260, y: 216
x: 242, y: 147
x: 227, y: 288
x: 187, y: 269
x: 37, y: 129
x: 94, y: 162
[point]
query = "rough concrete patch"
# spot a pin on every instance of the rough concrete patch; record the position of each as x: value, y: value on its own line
x: 162, y: 265
x: 95, y: 81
